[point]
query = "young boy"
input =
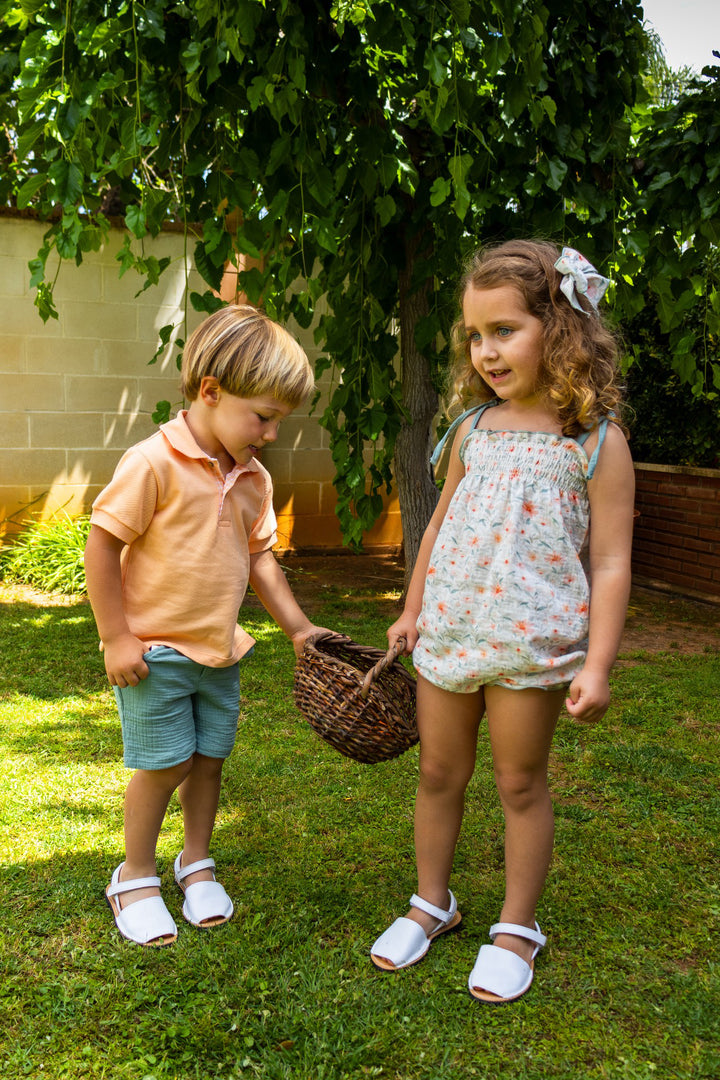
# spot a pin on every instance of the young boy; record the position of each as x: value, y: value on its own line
x: 186, y: 522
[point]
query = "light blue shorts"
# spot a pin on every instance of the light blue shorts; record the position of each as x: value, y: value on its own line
x: 180, y: 709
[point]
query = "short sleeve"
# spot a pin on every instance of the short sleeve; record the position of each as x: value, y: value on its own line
x: 127, y: 505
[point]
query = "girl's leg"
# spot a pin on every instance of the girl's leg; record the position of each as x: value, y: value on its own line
x: 521, y: 724
x: 448, y: 726
x: 199, y: 796
x: 146, y: 800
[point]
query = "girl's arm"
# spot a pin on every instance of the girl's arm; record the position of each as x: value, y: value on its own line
x: 272, y: 590
x: 405, y: 626
x: 123, y: 652
x: 611, y: 492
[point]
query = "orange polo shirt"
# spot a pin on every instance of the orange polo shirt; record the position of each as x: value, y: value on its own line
x: 189, y: 533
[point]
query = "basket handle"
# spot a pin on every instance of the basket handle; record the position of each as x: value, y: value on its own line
x: 389, y: 658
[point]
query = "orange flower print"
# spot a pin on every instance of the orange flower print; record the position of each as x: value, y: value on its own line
x: 528, y: 508
x: 582, y: 609
x: 498, y: 590
x: 554, y: 558
x: 522, y: 627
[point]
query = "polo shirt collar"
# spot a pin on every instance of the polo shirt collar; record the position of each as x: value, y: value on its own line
x: 181, y: 438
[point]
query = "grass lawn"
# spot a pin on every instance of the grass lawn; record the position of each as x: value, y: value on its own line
x: 317, y: 853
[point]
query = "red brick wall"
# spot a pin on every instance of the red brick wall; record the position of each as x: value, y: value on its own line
x: 677, y: 533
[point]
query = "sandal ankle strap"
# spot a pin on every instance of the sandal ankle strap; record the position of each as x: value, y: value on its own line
x: 130, y: 886
x: 516, y: 930
x: 181, y: 872
x: 436, y: 912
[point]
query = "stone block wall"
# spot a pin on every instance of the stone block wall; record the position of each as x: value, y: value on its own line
x: 77, y: 391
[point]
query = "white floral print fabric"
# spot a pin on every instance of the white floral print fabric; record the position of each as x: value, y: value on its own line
x: 506, y: 597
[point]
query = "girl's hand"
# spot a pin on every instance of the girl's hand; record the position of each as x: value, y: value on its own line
x: 124, y: 662
x: 588, y: 697
x: 405, y: 627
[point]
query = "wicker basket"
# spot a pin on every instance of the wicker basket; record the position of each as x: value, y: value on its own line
x: 359, y: 699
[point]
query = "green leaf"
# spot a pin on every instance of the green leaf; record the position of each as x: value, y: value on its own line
x: 385, y: 209
x: 162, y: 412
x: 28, y: 138
x: 210, y: 271
x: 440, y: 190
x: 68, y: 180
x: 165, y: 333
x: 135, y: 220
x: 29, y: 189
x: 321, y: 184
x: 206, y: 301
x: 44, y: 302
x: 557, y: 170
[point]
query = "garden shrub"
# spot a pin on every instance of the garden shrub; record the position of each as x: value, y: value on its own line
x: 48, y: 555
x: 670, y: 425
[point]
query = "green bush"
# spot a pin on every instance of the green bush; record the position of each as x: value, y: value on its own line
x: 669, y: 424
x: 48, y: 555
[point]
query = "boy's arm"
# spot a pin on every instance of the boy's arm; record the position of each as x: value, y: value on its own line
x: 272, y: 590
x: 123, y: 652
x: 611, y: 492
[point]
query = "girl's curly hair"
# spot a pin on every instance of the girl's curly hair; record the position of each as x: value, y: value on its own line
x: 579, y: 366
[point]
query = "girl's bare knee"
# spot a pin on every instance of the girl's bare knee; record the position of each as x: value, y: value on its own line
x: 521, y: 790
x: 437, y: 775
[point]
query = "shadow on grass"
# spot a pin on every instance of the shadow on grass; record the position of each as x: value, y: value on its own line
x: 48, y: 652
x: 83, y: 735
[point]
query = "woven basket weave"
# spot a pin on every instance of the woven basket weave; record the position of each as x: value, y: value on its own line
x: 358, y: 699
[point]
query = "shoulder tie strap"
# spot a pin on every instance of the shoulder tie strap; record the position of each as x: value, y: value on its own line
x: 450, y: 433
x: 602, y: 430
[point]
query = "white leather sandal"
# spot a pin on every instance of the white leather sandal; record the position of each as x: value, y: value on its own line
x: 405, y: 942
x: 206, y: 902
x: 499, y: 975
x: 146, y: 922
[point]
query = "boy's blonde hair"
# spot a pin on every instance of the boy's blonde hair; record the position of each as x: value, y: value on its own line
x: 249, y: 355
x: 579, y: 366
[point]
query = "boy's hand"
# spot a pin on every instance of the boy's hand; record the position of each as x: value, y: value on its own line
x: 300, y: 637
x: 124, y: 662
x: 588, y: 697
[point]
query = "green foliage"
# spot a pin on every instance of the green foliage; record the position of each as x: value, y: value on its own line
x: 344, y: 144
x: 48, y: 555
x: 357, y: 152
x: 671, y: 423
x: 669, y: 258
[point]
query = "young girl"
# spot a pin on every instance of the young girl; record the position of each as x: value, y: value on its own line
x: 518, y: 598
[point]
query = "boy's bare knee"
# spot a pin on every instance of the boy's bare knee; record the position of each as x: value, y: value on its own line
x: 175, y: 774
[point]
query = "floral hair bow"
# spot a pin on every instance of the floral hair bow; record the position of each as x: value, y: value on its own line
x: 580, y: 276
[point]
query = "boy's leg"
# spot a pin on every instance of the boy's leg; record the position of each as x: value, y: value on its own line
x: 199, y: 796
x: 521, y: 725
x: 448, y: 726
x: 146, y: 800
x: 216, y: 706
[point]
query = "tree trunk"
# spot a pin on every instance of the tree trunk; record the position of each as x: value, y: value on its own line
x: 416, y: 488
